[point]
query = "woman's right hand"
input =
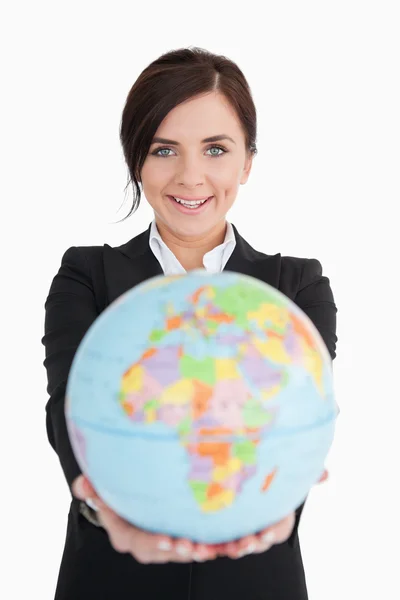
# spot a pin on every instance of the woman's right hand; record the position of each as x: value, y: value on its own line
x: 143, y: 546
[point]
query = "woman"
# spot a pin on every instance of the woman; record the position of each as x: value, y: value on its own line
x: 188, y: 133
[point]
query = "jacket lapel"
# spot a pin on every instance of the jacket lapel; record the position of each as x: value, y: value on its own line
x: 132, y: 263
x: 128, y: 265
x: 244, y: 259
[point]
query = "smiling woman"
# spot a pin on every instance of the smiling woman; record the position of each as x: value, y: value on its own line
x: 196, y: 144
x: 188, y: 133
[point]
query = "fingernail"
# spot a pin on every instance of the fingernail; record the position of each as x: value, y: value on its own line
x: 249, y: 549
x: 268, y: 537
x: 92, y: 503
x: 182, y: 550
x: 164, y: 545
x: 198, y: 557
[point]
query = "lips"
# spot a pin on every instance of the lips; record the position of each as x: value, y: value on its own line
x: 188, y: 209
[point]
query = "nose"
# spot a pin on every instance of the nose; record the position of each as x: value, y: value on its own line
x: 190, y: 173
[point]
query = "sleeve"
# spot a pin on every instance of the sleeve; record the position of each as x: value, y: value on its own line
x: 70, y: 309
x: 316, y: 299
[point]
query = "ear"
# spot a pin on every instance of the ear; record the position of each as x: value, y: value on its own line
x: 247, y: 169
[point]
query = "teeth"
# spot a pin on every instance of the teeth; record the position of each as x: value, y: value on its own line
x: 189, y: 203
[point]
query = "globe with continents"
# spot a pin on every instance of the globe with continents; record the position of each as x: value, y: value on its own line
x: 202, y: 406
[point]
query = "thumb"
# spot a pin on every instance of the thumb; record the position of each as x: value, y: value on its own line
x: 81, y: 488
x: 323, y: 477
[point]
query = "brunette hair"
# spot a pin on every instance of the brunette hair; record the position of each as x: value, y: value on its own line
x: 167, y: 82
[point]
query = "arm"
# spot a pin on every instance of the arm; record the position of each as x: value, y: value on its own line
x: 315, y: 298
x: 70, y: 309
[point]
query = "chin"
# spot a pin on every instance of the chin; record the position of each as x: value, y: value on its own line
x: 194, y: 229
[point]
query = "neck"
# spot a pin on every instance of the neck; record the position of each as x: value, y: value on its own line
x: 190, y: 250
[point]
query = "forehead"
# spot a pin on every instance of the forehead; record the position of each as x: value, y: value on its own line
x: 207, y: 114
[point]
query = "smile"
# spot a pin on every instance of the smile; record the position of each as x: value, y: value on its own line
x: 187, y: 206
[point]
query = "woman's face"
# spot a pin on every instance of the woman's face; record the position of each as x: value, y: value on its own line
x: 187, y: 166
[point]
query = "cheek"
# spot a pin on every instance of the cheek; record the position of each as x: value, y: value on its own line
x: 226, y: 177
x: 154, y: 176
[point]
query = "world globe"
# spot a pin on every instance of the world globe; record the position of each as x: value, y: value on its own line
x: 201, y: 406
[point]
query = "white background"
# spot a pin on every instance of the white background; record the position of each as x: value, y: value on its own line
x: 325, y: 184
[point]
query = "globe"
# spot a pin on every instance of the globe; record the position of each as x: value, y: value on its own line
x: 201, y: 406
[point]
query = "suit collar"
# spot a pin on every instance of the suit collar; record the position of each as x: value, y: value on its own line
x: 132, y: 263
x: 248, y: 261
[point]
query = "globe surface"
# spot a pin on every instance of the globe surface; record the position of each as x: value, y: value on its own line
x: 202, y: 406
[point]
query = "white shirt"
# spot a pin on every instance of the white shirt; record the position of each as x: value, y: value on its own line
x: 213, y: 261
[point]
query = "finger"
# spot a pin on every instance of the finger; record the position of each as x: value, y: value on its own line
x: 203, y: 552
x: 229, y: 549
x: 154, y: 548
x: 279, y: 532
x: 265, y: 539
x: 323, y: 477
x: 151, y: 548
x: 78, y: 488
x: 89, y: 494
x: 119, y: 531
x: 246, y: 545
x: 183, y: 549
x: 82, y: 488
x: 259, y: 542
x: 96, y: 501
x: 88, y: 488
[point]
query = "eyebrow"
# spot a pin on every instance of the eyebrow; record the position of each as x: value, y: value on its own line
x: 213, y: 138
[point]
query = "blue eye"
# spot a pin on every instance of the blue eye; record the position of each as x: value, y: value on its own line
x: 156, y: 152
x: 218, y: 148
x: 160, y: 150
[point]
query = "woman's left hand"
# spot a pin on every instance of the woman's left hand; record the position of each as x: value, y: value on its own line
x: 263, y: 540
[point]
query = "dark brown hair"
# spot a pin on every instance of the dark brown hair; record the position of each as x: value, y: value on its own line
x: 167, y: 82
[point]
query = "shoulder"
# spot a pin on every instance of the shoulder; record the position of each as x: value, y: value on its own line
x: 295, y: 272
x: 300, y: 271
x: 91, y: 254
x: 291, y: 274
x: 304, y: 280
x: 83, y: 258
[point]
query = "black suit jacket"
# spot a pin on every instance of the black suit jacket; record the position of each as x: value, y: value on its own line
x: 88, y: 280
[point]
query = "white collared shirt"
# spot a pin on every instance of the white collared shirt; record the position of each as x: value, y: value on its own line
x: 213, y: 261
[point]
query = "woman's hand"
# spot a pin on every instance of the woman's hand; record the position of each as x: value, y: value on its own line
x: 263, y: 540
x: 156, y: 548
x: 145, y: 547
